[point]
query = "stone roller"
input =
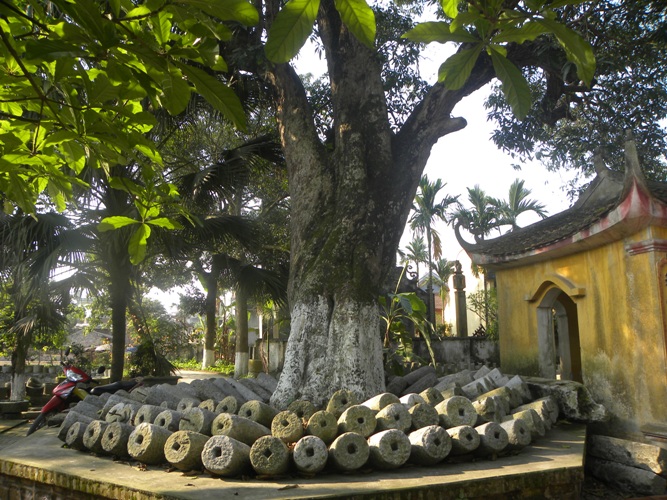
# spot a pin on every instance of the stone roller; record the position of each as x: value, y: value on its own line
x: 310, y: 454
x: 304, y: 409
x: 546, y: 407
x: 115, y: 438
x: 340, y: 401
x: 147, y: 413
x: 258, y: 412
x: 183, y: 450
x: 504, y: 397
x: 187, y: 403
x: 456, y: 411
x: 74, y: 438
x: 123, y: 413
x: 487, y: 410
x: 409, y: 400
x: 432, y: 396
x: 90, y: 410
x: 238, y: 428
x: 206, y: 389
x: 112, y: 401
x: 358, y: 418
x: 323, y: 425
x: 465, y: 439
x: 287, y: 426
x: 423, y: 415
x: 72, y: 417
x: 146, y: 443
x: 159, y: 394
x: 429, y: 445
x: 225, y: 456
x: 389, y: 449
x: 209, y: 404
x: 92, y: 438
x: 229, y: 404
x: 378, y: 402
x: 532, y: 419
x: 493, y: 439
x: 197, y: 420
x: 269, y: 456
x: 518, y: 434
x: 393, y: 416
x: 168, y: 419
x: 349, y: 452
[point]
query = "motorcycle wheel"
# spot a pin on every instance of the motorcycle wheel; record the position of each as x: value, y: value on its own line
x: 39, y: 422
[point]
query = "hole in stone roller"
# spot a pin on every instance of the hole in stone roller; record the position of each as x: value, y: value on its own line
x: 310, y: 452
x: 217, y: 452
x: 343, y: 401
x: 111, y: 435
x: 299, y: 413
x: 469, y: 437
x: 90, y: 433
x: 397, y: 417
x: 284, y: 423
x: 248, y: 413
x: 160, y: 422
x: 461, y: 412
x: 139, y: 439
x: 351, y: 448
x: 323, y: 423
x: 176, y: 446
x: 394, y: 446
x: 436, y: 442
x: 267, y: 453
x: 496, y: 435
x: 225, y: 409
x: 360, y: 420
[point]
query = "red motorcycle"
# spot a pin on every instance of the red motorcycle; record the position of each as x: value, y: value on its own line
x: 76, y: 386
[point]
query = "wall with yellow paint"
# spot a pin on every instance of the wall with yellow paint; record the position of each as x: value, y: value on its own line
x: 621, y: 332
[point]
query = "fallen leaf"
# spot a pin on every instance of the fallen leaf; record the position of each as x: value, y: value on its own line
x: 288, y: 487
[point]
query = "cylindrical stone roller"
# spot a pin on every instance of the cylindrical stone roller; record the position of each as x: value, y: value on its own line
x: 432, y: 396
x: 168, y: 419
x: 409, y: 400
x: 146, y: 443
x: 303, y: 409
x: 239, y: 428
x: 269, y: 456
x: 323, y: 425
x: 197, y: 420
x: 429, y: 445
x: 122, y: 412
x: 229, y: 404
x: 93, y: 400
x: 381, y: 400
x: 258, y: 411
x: 359, y: 419
x: 70, y: 418
x: 487, y: 410
x: 115, y: 437
x: 287, y: 426
x: 74, y: 438
x: 456, y: 411
x: 225, y: 456
x: 546, y: 407
x: 394, y: 416
x: 159, y: 394
x: 147, y: 413
x: 349, y: 451
x: 87, y: 409
x: 492, y: 439
x: 112, y: 401
x: 518, y: 434
x: 92, y: 438
x: 206, y: 389
x: 310, y: 454
x: 209, y: 404
x: 187, y: 403
x: 183, y: 449
x: 465, y: 439
x: 340, y: 401
x: 533, y: 420
x: 389, y: 449
x: 423, y: 415
x: 503, y: 397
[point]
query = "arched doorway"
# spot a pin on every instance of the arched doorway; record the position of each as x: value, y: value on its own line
x: 558, y: 336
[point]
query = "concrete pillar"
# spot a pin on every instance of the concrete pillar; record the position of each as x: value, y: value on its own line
x: 460, y: 301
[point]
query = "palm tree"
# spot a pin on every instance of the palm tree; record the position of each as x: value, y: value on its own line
x: 426, y: 212
x: 444, y: 270
x: 518, y: 203
x: 415, y: 253
x: 483, y: 217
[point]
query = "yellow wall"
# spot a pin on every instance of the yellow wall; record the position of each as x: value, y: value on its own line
x: 620, y: 325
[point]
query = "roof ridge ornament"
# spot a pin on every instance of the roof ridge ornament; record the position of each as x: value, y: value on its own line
x: 633, y: 170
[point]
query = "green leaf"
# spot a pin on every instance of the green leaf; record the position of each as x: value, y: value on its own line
x: 176, y: 92
x: 138, y: 243
x: 217, y: 94
x: 75, y: 155
x: 514, y: 85
x: 115, y: 222
x: 455, y: 71
x: 226, y: 10
x: 450, y: 7
x: 577, y: 50
x: 290, y: 29
x: 162, y: 27
x: 165, y: 223
x: 437, y: 31
x: 529, y: 31
x: 359, y: 19
x: 50, y: 50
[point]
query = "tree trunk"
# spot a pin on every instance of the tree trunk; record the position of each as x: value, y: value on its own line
x: 19, y: 356
x: 119, y: 297
x: 242, y: 354
x: 211, y: 306
x: 350, y: 200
